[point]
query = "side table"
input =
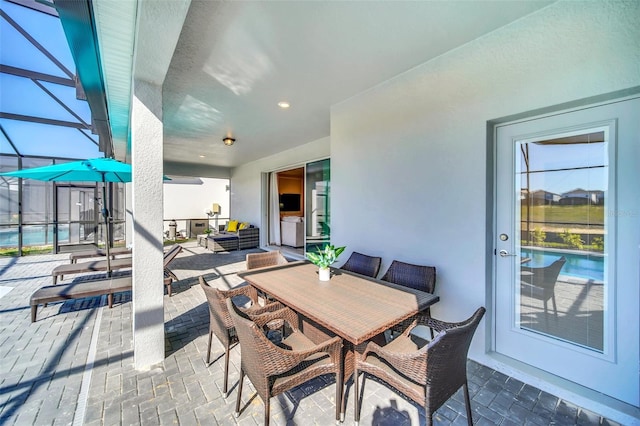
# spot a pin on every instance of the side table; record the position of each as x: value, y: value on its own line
x: 202, y: 240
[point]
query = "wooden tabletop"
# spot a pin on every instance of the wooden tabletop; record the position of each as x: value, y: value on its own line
x: 352, y: 306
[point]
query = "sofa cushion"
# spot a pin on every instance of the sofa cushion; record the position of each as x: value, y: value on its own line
x: 244, y: 225
x: 232, y: 226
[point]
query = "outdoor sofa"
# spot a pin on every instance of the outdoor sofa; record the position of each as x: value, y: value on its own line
x: 234, y: 237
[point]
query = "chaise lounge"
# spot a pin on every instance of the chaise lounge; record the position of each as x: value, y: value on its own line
x: 102, y: 265
x: 108, y: 286
x: 57, y: 293
x: 98, y: 252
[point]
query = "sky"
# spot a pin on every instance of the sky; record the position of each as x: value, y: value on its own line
x: 19, y: 95
x: 585, y: 160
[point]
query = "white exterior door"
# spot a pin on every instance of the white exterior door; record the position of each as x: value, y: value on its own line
x: 567, y: 245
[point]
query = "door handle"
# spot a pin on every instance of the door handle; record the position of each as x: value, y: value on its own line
x: 505, y: 253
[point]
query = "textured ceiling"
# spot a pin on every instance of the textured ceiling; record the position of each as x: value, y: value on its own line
x: 234, y: 61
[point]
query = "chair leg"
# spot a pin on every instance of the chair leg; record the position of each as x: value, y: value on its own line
x: 555, y: 308
x: 209, y: 347
x: 356, y: 398
x: 546, y: 314
x: 467, y: 402
x: 339, y: 412
x: 267, y: 408
x: 237, y: 413
x: 226, y: 371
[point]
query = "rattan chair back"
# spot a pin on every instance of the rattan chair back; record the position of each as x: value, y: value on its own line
x: 269, y: 258
x: 220, y: 322
x: 362, y: 264
x: 543, y: 278
x: 446, y: 362
x: 257, y: 352
x: 274, y: 369
x: 415, y: 276
x: 429, y: 374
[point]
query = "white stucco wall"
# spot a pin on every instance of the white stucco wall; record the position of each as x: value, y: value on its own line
x: 246, y: 196
x: 409, y: 157
x: 190, y: 200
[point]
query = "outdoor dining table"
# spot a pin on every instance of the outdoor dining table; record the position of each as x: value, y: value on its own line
x: 355, y: 307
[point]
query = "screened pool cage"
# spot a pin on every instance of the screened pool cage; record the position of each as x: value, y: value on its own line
x: 37, y: 217
x: 45, y: 119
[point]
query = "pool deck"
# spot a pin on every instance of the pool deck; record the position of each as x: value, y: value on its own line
x: 74, y: 365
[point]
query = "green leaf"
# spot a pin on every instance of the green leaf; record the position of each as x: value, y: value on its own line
x: 323, y: 258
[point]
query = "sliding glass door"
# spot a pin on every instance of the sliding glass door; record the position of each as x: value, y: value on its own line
x: 317, y: 203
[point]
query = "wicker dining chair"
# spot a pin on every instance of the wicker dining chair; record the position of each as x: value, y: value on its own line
x: 274, y: 369
x: 269, y: 258
x: 220, y: 322
x: 428, y: 373
x: 362, y: 264
x: 414, y: 276
x: 540, y: 282
x: 262, y: 260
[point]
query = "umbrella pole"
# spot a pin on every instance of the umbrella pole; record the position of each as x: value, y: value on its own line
x: 105, y: 213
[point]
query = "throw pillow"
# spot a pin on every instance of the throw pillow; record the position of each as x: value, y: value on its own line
x: 244, y: 225
x: 232, y: 226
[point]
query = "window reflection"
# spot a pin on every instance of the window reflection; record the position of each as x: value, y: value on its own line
x: 563, y: 196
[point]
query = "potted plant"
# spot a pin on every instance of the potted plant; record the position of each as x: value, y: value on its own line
x: 324, y: 258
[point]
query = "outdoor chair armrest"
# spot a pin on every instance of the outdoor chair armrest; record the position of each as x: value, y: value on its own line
x: 411, y: 364
x: 438, y: 325
x: 284, y: 314
x: 374, y: 348
x: 288, y: 359
x: 245, y: 290
x: 256, y: 310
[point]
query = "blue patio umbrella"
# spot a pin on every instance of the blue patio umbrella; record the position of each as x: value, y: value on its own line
x: 94, y: 170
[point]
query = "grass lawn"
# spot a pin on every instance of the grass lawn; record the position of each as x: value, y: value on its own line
x: 579, y: 215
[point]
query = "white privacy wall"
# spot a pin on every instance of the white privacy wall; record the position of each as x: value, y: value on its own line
x: 409, y: 156
x: 190, y: 200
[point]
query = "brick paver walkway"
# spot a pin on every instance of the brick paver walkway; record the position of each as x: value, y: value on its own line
x: 44, y: 379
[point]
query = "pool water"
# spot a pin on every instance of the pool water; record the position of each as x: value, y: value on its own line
x: 32, y: 235
x: 586, y: 266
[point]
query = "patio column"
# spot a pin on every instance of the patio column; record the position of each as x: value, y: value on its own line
x: 147, y: 202
x: 128, y: 214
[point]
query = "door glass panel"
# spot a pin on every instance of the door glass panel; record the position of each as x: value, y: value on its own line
x: 318, y: 183
x: 77, y: 220
x: 563, y: 235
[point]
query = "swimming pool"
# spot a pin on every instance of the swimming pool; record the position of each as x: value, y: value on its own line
x: 587, y: 265
x: 32, y: 235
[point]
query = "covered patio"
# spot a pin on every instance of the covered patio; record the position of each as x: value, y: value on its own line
x: 75, y: 365
x: 402, y: 105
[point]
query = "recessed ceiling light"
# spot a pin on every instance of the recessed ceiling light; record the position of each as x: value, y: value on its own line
x: 201, y: 156
x: 284, y: 104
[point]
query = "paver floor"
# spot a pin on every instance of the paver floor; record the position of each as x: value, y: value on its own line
x: 44, y: 378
